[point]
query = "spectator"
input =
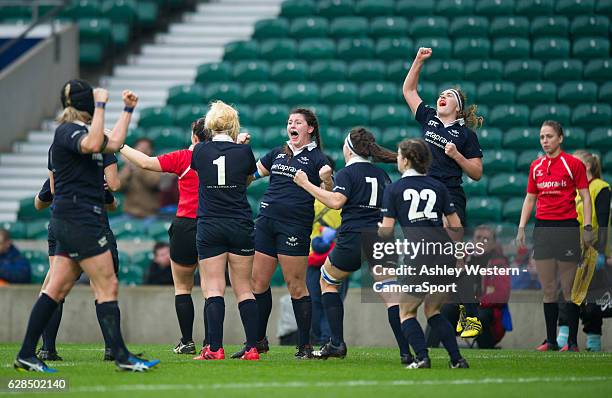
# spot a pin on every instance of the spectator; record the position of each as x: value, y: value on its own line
x: 159, y: 272
x: 141, y: 187
x: 14, y: 268
x: 528, y: 278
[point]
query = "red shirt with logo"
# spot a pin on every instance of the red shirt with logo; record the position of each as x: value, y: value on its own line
x: 555, y: 181
x: 179, y: 163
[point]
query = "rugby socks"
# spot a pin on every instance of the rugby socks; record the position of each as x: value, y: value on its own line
x: 248, y: 315
x: 396, y: 326
x: 215, y: 313
x: 593, y: 342
x: 302, y: 308
x: 471, y: 310
x: 264, y: 308
x: 563, y: 335
x: 109, y: 317
x: 205, y: 310
x: 446, y: 334
x: 551, y: 314
x: 185, y: 314
x: 413, y: 333
x: 49, y: 334
x: 334, y: 311
x: 573, y: 318
x: 42, y: 311
x: 107, y: 340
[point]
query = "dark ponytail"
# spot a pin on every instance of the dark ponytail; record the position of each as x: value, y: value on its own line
x: 364, y: 145
x: 199, y: 130
x: 312, y: 121
x: 417, y: 152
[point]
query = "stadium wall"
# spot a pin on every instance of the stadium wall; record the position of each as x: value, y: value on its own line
x: 30, y: 86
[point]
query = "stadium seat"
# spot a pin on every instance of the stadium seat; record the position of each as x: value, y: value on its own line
x: 328, y: 71
x: 158, y: 231
x: 130, y: 275
x: 271, y: 28
x: 75, y: 10
x: 606, y: 162
x: 451, y: 8
x: 509, y: 48
x: 156, y: 116
x: 592, y: 115
x: 373, y: 8
x: 312, y: 49
x: 509, y: 26
x: 442, y: 70
x: 496, y: 161
x: 37, y: 229
x: 549, y: 26
x: 484, y: 209
x: 350, y: 115
x: 332, y: 137
x: 147, y: 13
x: 298, y: 8
x: 412, y: 8
x: 241, y: 50
x: 478, y: 70
x: 508, y: 185
x: 591, y: 47
x: 578, y: 92
x: 489, y: 138
x: 391, y: 49
x: 496, y: 93
x: 512, y: 209
x: 227, y: 92
x: 355, y: 48
x: 129, y: 230
x: 550, y: 48
x: 260, y: 93
x: 170, y: 137
x: 397, y: 71
x: 277, y: 278
x: 18, y: 230
x: 27, y: 211
x: 391, y: 136
x: 536, y: 92
x: 605, y: 93
x: 214, y: 72
x: 590, y: 26
x: 428, y: 27
x: 270, y: 115
x: 540, y: 113
x: 475, y: 188
x: 309, y: 27
x: 509, y: 115
x: 245, y: 113
x: 185, y: 94
x: 533, y: 8
x: 338, y: 93
x: 521, y: 70
x: 599, y: 70
x: 522, y: 138
x: 603, y: 7
x: 390, y: 115
x: 493, y: 8
x: 524, y: 160
x: 299, y: 93
x: 287, y: 71
x: 258, y: 187
x: 563, y: 70
x: 186, y: 114
x: 142, y: 259
x: 479, y: 47
x: 379, y: 93
x: 574, y: 7
x: 366, y: 70
x: 250, y: 71
x: 134, y: 133
x: 346, y: 27
x: 468, y: 27
x: 271, y: 48
x: 574, y: 137
x: 441, y: 46
x: 388, y: 27
x: 335, y: 8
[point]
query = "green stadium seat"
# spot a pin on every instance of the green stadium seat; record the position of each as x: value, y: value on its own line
x: 129, y: 230
x: 335, y: 8
x: 489, y: 138
x: 131, y: 276
x: 428, y: 27
x: 599, y: 70
x: 496, y: 93
x: 391, y: 49
x: 509, y: 48
x: 309, y: 27
x: 270, y: 49
x: 8, y: 13
x: 540, y: 113
x: 156, y: 116
x: 328, y: 71
x: 332, y: 137
x: 412, y: 8
x: 522, y: 138
x: 508, y: 185
x: 388, y: 27
x: 550, y: 26
x: 574, y: 7
x: 493, y: 8
x: 142, y: 259
x: 298, y: 8
x: 245, y: 113
x: 287, y: 71
x: 95, y: 30
x: 147, y: 13
x: 509, y: 26
x: 536, y: 92
x: 390, y: 115
x: 256, y: 132
x: 524, y: 160
x: 250, y: 71
x: 475, y: 188
x: 605, y: 93
x: 214, y: 72
x: 591, y: 47
x: 169, y: 137
x: 478, y: 47
x: 366, y: 70
x: 18, y: 230
x: 551, y: 48
x: 577, y: 92
x: 496, y: 161
x: 440, y: 46
x: 438, y: 70
x: 607, y: 160
x: 258, y: 187
x: 134, y: 133
x: 38, y: 272
x: 509, y: 115
x: 120, y: 35
x: 534, y: 8
x: 469, y: 26
x: 91, y: 53
x: 574, y: 138
x: 241, y: 50
x: 379, y: 93
x: 277, y: 278
x: 311, y: 49
x: 27, y: 211
x: 261, y: 93
x: 339, y: 93
x: 478, y: 70
x: 592, y: 115
x: 271, y: 28
x: 185, y: 94
x: 355, y: 48
x: 226, y: 92
x: 270, y: 115
x: 397, y: 71
x: 299, y: 93
x: 512, y: 209
x: 590, y: 26
x: 374, y: 8
x: 521, y: 70
x: 427, y: 91
x: 158, y: 231
x: 120, y: 11
x: 451, y: 8
x: 563, y: 70
x: 37, y: 229
x: 187, y: 114
x: 392, y: 136
x: 484, y: 209
x: 345, y: 27
x: 75, y: 11
x: 350, y: 115
x: 603, y: 7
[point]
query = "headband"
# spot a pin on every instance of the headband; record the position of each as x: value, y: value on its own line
x: 457, y: 98
x: 349, y: 144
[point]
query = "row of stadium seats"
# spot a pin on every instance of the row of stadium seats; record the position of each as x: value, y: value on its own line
x: 334, y: 8
x: 457, y: 27
x: 398, y: 48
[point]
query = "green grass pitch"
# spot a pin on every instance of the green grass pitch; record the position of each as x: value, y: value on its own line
x: 366, y: 372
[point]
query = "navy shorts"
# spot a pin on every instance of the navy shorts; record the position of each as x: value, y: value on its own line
x: 182, y: 235
x: 80, y: 238
x: 346, y: 254
x: 457, y: 196
x: 216, y: 236
x: 273, y: 237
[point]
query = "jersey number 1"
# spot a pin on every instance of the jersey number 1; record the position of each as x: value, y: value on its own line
x: 220, y: 163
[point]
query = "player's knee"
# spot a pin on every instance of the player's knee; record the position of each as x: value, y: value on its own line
x: 297, y: 287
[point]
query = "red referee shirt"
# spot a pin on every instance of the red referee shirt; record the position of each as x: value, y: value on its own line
x: 555, y: 181
x: 179, y: 163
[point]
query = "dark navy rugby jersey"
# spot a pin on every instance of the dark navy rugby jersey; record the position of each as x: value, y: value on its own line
x: 223, y: 168
x: 284, y: 200
x: 437, y: 136
x: 363, y: 184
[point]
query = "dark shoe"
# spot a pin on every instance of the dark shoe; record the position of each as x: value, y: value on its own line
x: 134, y: 364
x: 262, y: 347
x: 424, y: 363
x: 329, y: 350
x: 460, y: 364
x: 406, y: 359
x: 108, y: 355
x: 188, y: 348
x: 45, y: 355
x: 304, y: 352
x: 32, y: 364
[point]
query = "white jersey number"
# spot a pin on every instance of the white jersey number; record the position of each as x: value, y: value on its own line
x: 374, y: 194
x: 415, y: 198
x: 220, y: 163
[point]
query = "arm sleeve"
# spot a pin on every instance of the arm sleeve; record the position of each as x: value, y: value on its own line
x: 602, y: 212
x: 71, y: 141
x: 45, y: 194
x: 472, y: 147
x: 195, y: 154
x: 108, y: 159
x: 252, y: 161
x: 388, y: 209
x: 343, y: 183
x: 580, y: 178
x: 423, y: 114
x: 170, y: 163
x: 531, y: 183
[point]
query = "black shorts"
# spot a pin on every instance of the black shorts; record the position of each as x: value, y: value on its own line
x: 52, y: 243
x: 457, y: 196
x: 352, y: 249
x: 80, y: 238
x: 112, y: 245
x: 273, y: 237
x: 557, y: 239
x: 224, y: 235
x: 182, y: 235
x: 426, y: 265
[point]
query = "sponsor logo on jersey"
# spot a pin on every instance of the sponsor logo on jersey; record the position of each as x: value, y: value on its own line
x: 303, y: 159
x: 280, y: 156
x: 435, y: 139
x: 286, y: 170
x: 552, y: 184
x: 432, y: 123
x: 453, y: 132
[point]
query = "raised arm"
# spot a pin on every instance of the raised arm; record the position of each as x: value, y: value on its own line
x: 140, y: 159
x: 93, y: 141
x: 333, y: 200
x: 117, y: 137
x: 412, y: 79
